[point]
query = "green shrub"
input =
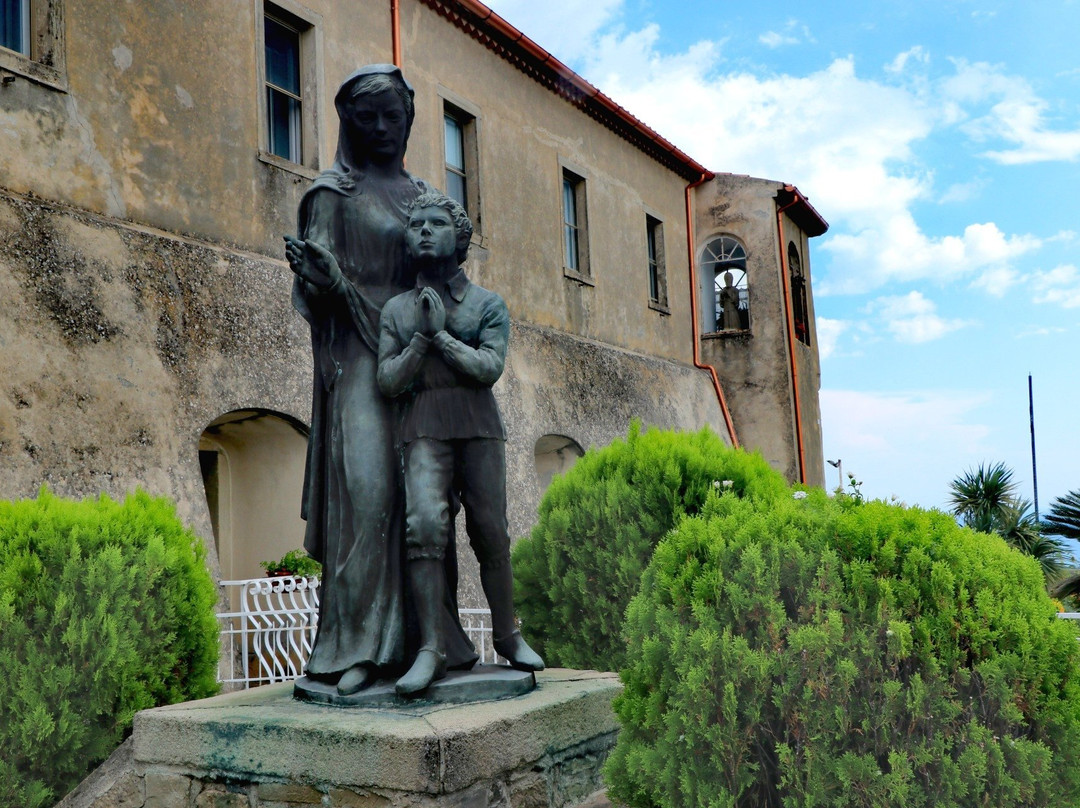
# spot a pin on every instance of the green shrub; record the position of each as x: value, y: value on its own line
x: 825, y: 653
x: 105, y: 609
x: 598, y: 525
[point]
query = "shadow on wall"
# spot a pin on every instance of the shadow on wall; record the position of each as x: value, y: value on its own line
x: 253, y: 473
x: 554, y: 454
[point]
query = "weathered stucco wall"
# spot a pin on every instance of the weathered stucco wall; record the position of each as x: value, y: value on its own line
x: 145, y: 295
x: 556, y: 384
x: 524, y: 131
x: 161, y: 127
x: 119, y: 346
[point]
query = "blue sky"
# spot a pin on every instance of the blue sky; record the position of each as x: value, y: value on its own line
x: 941, y: 140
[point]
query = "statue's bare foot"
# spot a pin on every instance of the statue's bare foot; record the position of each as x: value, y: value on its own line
x: 429, y: 666
x: 354, y: 680
x: 518, y: 652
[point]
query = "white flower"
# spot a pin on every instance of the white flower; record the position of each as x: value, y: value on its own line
x: 728, y: 483
x: 716, y: 484
x: 799, y: 495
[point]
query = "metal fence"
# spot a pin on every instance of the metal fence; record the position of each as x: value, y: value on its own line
x: 269, y: 634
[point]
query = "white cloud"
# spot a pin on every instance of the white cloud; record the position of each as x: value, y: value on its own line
x: 828, y: 334
x: 898, y: 250
x: 852, y: 152
x: 849, y: 142
x: 997, y: 281
x: 1017, y: 116
x: 962, y: 191
x: 894, y: 442
x: 771, y: 39
x: 1060, y: 285
x: 794, y: 33
x: 546, y: 23
x: 900, y: 63
x: 912, y: 318
x: 1041, y: 331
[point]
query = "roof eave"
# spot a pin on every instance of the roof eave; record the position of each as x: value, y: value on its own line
x: 800, y: 211
x: 491, y: 30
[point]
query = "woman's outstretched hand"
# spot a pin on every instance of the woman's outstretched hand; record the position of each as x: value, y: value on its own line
x: 312, y: 262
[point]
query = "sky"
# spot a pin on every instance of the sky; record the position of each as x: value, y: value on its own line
x: 941, y: 141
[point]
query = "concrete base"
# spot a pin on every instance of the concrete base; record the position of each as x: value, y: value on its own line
x: 480, y: 683
x: 262, y: 748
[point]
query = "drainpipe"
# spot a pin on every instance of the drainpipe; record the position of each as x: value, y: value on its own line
x: 395, y: 31
x: 784, y: 272
x: 694, y: 311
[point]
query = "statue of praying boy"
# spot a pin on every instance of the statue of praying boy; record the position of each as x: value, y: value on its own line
x: 443, y: 343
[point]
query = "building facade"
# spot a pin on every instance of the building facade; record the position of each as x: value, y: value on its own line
x: 154, y: 153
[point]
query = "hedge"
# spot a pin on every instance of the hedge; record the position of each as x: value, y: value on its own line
x: 106, y: 608
x: 598, y: 525
x: 820, y: 652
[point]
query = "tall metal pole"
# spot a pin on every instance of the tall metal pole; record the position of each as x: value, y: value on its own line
x: 1034, y: 476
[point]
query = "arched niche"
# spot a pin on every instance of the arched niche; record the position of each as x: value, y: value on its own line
x: 723, y: 274
x: 554, y: 454
x: 252, y: 465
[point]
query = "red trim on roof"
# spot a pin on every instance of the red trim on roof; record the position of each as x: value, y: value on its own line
x: 491, y: 30
x: 803, y: 214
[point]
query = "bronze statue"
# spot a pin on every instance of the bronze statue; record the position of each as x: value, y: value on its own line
x: 442, y: 346
x: 349, y: 260
x: 729, y: 305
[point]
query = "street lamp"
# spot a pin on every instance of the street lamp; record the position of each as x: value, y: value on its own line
x: 838, y: 464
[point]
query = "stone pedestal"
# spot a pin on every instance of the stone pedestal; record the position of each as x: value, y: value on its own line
x: 261, y: 748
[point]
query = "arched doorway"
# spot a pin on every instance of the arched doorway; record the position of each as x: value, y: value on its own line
x: 554, y: 454
x: 253, y: 473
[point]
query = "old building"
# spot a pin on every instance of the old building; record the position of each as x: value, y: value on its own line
x: 154, y: 153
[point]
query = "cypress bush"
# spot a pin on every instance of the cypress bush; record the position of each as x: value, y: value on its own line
x: 827, y: 653
x: 598, y: 525
x: 106, y: 608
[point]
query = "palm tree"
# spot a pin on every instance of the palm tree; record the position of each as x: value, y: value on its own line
x: 986, y: 500
x: 981, y: 498
x: 1063, y: 520
x: 1064, y: 517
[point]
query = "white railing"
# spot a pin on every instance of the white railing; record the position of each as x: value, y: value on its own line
x: 477, y: 624
x: 269, y: 634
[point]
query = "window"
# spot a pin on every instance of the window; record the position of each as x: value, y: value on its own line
x: 461, y: 160
x: 456, y: 182
x: 799, y: 313
x: 32, y: 39
x: 575, y: 226
x: 654, y: 237
x: 15, y: 25
x: 724, y: 265
x: 288, y: 60
x: 283, y: 100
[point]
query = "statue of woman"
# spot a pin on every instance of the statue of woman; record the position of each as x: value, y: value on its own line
x: 349, y: 260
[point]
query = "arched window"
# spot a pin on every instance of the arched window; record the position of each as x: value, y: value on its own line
x: 799, y: 311
x: 724, y: 265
